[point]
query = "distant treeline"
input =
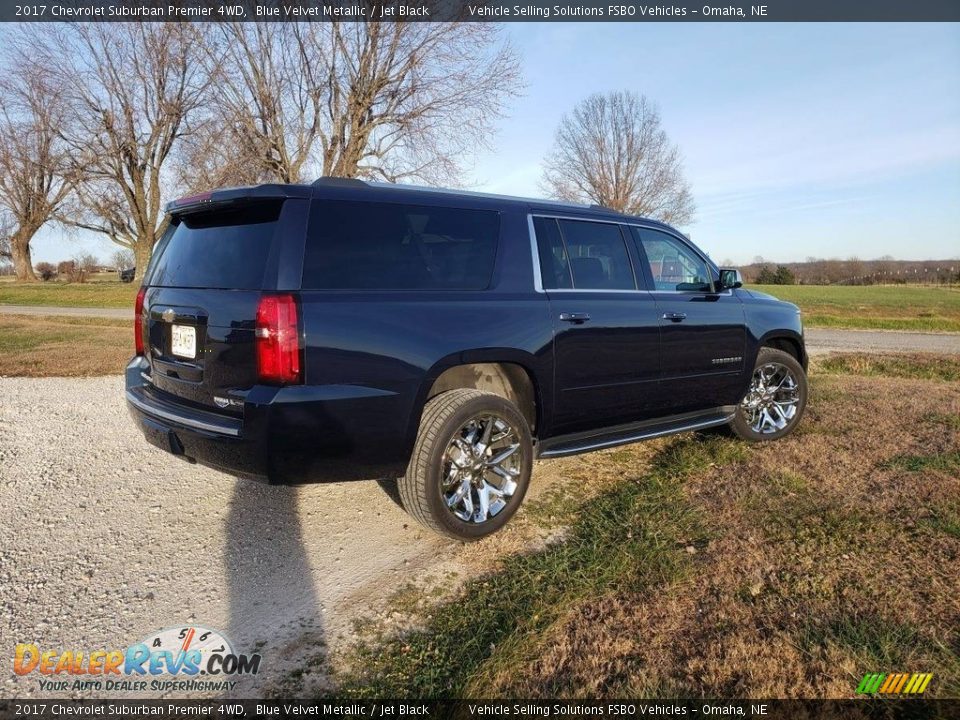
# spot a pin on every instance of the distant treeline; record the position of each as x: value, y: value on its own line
x: 853, y: 271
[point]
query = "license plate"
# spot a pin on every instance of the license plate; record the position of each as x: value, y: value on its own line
x: 183, y: 341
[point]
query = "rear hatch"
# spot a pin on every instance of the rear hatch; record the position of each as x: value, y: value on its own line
x: 203, y: 288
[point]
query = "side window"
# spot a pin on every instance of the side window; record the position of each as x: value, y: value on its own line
x: 597, y: 256
x: 388, y: 246
x: 554, y: 264
x: 673, y: 265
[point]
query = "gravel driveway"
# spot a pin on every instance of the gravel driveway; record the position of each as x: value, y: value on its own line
x: 104, y: 540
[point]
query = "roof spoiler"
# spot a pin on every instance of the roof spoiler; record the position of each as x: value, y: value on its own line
x: 234, y: 196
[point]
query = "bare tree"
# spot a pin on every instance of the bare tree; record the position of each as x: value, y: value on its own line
x: 46, y: 270
x: 6, y: 229
x: 382, y: 100
x: 32, y: 182
x: 854, y: 269
x: 882, y: 268
x: 122, y: 259
x: 612, y: 150
x: 132, y: 89
x: 87, y: 264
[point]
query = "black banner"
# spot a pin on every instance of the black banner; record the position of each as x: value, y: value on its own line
x: 482, y: 10
x: 457, y: 709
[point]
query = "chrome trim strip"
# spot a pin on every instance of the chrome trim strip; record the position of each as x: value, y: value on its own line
x: 576, y: 450
x: 179, y: 419
x: 537, y: 276
x: 689, y: 292
x: 580, y: 218
x: 597, y: 290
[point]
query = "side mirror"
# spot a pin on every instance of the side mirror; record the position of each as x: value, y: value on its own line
x: 730, y: 279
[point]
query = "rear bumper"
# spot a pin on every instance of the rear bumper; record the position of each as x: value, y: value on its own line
x: 286, y: 435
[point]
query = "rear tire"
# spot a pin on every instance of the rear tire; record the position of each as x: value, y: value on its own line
x: 776, y: 399
x: 470, y: 466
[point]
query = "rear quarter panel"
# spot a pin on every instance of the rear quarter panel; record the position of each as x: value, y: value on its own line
x: 385, y: 348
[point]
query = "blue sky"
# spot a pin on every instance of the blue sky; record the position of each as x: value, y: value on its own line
x: 799, y: 140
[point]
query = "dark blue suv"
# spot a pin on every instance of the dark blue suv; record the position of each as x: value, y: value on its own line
x: 348, y: 330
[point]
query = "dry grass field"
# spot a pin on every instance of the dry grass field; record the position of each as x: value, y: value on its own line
x: 702, y: 566
x: 36, y: 346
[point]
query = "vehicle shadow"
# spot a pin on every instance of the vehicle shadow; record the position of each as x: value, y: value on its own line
x: 391, y: 488
x: 273, y: 606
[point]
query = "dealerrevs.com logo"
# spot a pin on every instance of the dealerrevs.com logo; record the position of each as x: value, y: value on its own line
x: 182, y: 658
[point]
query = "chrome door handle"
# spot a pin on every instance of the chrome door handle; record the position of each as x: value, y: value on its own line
x: 675, y: 317
x: 575, y: 318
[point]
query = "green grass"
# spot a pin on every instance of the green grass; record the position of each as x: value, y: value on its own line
x: 881, y: 643
x: 949, y: 421
x: 626, y: 539
x: 874, y: 307
x: 916, y: 367
x: 946, y: 462
x: 945, y: 519
x: 101, y: 294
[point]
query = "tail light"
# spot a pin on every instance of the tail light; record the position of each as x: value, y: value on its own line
x: 138, y: 321
x: 278, y: 340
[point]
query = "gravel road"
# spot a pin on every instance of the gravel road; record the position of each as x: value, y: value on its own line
x: 105, y: 540
x: 822, y: 340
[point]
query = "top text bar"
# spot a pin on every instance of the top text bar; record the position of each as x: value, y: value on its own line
x: 481, y: 11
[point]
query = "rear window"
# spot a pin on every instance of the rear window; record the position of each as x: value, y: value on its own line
x: 386, y: 246
x: 225, y: 249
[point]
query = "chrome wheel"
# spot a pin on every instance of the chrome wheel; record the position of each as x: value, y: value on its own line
x: 773, y: 399
x: 481, y: 465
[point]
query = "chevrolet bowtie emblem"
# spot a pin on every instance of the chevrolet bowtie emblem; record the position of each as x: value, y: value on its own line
x: 168, y: 315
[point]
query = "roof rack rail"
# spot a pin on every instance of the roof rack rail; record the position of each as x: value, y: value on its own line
x: 471, y: 193
x: 339, y: 181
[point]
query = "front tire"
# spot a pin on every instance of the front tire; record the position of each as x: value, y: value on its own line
x: 470, y: 466
x: 776, y: 399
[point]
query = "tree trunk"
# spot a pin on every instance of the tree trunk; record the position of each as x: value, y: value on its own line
x: 142, y: 250
x: 22, y: 261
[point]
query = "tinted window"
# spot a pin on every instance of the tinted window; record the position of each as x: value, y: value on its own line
x: 597, y: 255
x: 673, y: 265
x: 224, y: 249
x: 554, y: 266
x: 384, y: 246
